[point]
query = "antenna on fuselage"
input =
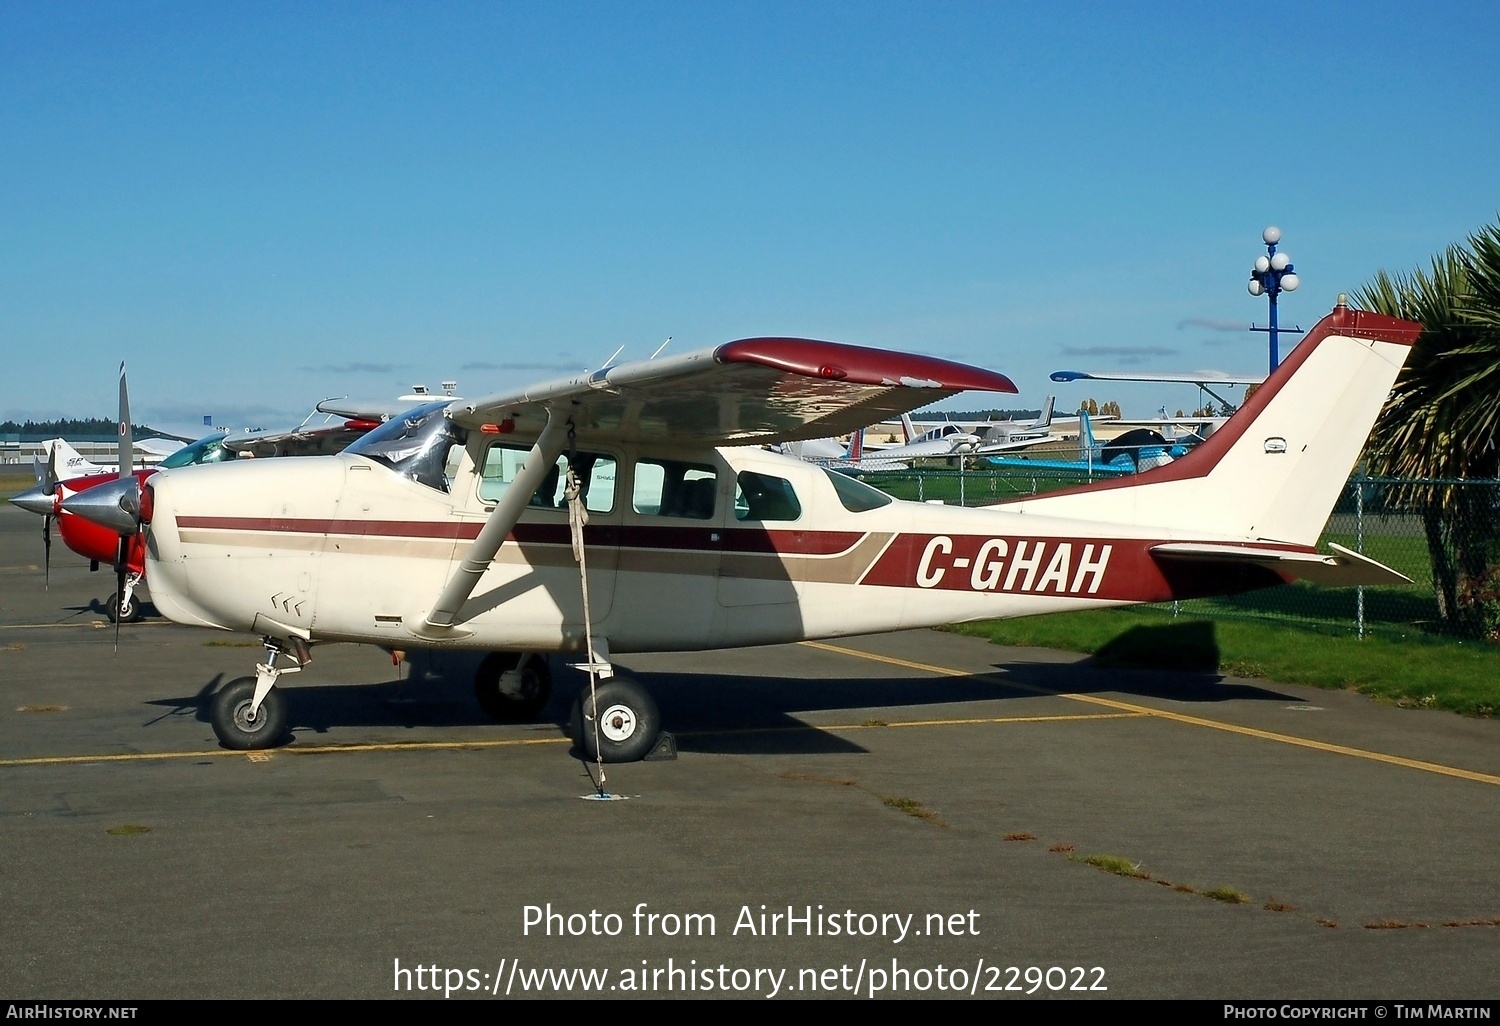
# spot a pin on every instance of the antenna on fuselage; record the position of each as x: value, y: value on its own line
x: 660, y: 348
x: 612, y: 356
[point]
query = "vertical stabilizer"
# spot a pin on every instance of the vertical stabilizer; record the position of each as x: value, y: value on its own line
x: 1273, y: 470
x: 68, y: 461
x: 1045, y: 420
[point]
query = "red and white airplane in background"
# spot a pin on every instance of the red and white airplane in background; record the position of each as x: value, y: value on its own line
x: 65, y: 473
x: 458, y: 525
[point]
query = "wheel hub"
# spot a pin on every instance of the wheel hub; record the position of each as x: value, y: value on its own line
x: 246, y: 718
x: 618, y: 723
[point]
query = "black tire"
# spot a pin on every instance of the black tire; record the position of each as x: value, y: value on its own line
x: 132, y: 609
x: 230, y: 714
x: 504, y: 707
x: 625, y: 726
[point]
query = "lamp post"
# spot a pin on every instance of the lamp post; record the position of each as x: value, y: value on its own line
x: 1272, y: 275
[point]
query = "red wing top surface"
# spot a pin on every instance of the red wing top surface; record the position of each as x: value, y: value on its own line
x: 754, y: 391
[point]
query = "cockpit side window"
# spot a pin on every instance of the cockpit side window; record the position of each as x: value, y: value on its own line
x: 596, y: 475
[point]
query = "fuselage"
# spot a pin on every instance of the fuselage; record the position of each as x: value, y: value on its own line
x: 685, y: 550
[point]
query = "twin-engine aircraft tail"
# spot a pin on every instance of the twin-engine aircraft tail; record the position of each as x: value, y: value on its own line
x: 67, y: 461
x: 1274, y: 470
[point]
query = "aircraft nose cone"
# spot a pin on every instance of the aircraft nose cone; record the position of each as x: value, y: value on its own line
x: 109, y: 505
x: 36, y: 500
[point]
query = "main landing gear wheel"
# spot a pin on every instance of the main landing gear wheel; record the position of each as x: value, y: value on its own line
x: 232, y: 721
x: 622, y: 728
x: 510, y: 701
x: 132, y: 609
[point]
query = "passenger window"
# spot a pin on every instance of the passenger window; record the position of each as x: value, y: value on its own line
x: 596, y: 473
x: 669, y: 488
x: 763, y: 497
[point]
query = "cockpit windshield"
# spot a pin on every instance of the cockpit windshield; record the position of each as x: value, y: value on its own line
x: 414, y: 445
x: 204, y: 450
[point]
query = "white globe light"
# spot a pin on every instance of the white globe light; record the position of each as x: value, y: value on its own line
x: 1280, y: 261
x: 1262, y: 264
x: 1271, y: 235
x: 1289, y: 282
x: 1255, y: 287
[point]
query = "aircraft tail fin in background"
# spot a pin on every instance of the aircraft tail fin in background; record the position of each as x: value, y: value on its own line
x: 908, y: 429
x: 857, y: 445
x: 69, y: 462
x: 1085, y: 435
x: 1273, y: 471
x: 1045, y: 420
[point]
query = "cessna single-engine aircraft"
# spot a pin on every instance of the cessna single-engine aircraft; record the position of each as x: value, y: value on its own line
x: 456, y: 525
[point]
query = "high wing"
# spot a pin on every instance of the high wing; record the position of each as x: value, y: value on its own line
x: 323, y: 432
x: 1345, y: 568
x: 1201, y: 380
x: 749, y: 392
x: 160, y: 447
x: 379, y: 410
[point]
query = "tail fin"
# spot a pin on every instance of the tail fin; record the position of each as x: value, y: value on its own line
x: 1275, y: 468
x: 1045, y: 420
x: 69, y: 462
x: 857, y: 445
x: 1086, y: 442
x: 908, y: 429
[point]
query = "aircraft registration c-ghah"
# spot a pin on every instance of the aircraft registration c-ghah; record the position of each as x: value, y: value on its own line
x: 454, y: 525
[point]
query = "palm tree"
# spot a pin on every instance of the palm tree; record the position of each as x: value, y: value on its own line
x: 1442, y: 423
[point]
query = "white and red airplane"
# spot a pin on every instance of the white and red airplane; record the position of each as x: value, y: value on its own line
x: 454, y: 525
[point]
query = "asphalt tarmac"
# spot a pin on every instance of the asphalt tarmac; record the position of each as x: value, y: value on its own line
x: 915, y: 808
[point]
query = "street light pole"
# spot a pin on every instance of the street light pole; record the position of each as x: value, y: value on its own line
x: 1272, y: 275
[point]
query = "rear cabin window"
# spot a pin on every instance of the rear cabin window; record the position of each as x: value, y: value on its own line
x: 763, y: 497
x: 856, y: 496
x: 596, y: 472
x: 670, y: 488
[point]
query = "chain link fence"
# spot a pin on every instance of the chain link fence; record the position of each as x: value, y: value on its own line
x: 1443, y: 534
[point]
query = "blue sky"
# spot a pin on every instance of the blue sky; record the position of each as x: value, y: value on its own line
x: 259, y: 205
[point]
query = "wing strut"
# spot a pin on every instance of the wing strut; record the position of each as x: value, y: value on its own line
x: 543, y: 456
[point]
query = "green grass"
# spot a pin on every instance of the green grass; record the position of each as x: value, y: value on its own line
x: 1113, y: 864
x: 15, y: 484
x: 1417, y: 671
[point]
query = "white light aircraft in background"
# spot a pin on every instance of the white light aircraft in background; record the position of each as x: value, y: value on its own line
x: 460, y: 524
x: 1205, y: 382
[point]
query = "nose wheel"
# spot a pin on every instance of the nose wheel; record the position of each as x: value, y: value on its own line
x: 618, y: 722
x: 238, y: 725
x: 126, y: 607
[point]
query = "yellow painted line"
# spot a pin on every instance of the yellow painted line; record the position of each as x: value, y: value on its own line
x: 411, y: 746
x: 99, y: 624
x: 965, y: 722
x: 224, y: 753
x: 1196, y: 721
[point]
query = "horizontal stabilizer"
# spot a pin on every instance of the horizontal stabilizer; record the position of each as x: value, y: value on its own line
x: 1345, y: 568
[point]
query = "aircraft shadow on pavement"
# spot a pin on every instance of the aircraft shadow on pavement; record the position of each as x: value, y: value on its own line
x: 1177, y: 662
x: 736, y: 713
x: 101, y: 606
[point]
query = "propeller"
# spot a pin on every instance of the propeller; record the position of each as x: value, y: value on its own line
x: 49, y: 486
x: 130, y: 501
x: 116, y: 505
x: 42, y: 500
